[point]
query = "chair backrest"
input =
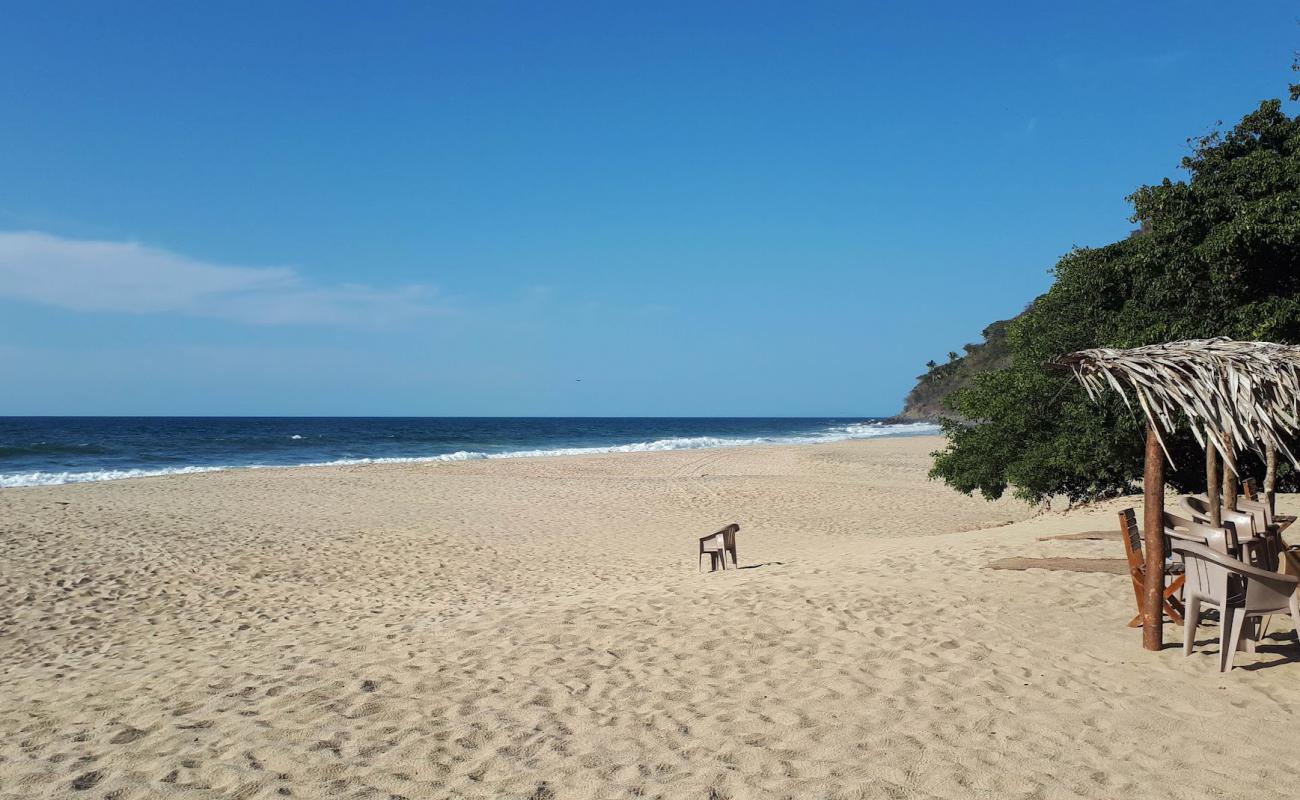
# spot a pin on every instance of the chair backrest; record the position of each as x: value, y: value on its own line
x: 1223, y: 540
x: 723, y: 538
x: 729, y: 535
x: 1179, y: 524
x: 1259, y: 510
x: 1249, y: 490
x: 1128, y: 526
x: 1237, y: 523
x: 1199, y: 506
x: 1203, y: 576
x: 1265, y: 530
x: 1196, y: 507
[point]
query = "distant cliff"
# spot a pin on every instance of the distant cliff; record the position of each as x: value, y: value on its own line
x: 925, y: 401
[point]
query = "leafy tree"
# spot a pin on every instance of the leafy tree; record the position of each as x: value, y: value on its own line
x: 1295, y: 87
x: 1218, y: 254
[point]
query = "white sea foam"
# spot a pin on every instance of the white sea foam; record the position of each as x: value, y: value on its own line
x: 838, y: 433
x: 56, y: 478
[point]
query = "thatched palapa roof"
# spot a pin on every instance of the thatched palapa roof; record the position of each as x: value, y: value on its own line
x: 1250, y: 390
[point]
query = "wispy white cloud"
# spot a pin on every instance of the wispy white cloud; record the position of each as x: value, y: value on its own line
x: 129, y: 277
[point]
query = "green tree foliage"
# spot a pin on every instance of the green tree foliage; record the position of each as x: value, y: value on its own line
x: 925, y: 401
x: 1295, y: 87
x: 1217, y: 255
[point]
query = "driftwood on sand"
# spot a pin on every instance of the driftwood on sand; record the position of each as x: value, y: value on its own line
x: 1113, y: 566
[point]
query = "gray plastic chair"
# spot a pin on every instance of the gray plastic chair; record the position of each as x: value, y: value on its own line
x: 1266, y: 528
x: 1240, y: 592
x: 1259, y: 510
x: 1246, y: 541
x: 1197, y: 506
x: 1222, y: 540
x: 718, y: 545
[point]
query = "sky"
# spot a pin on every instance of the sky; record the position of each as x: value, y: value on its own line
x: 569, y: 209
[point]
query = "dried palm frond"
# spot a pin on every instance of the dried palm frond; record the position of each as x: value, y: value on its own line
x: 1249, y: 390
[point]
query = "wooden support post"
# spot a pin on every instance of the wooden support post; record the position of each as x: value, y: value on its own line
x: 1270, y: 477
x: 1212, y: 480
x: 1153, y: 534
x: 1230, y: 488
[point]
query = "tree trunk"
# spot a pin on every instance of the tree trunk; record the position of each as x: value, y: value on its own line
x: 1153, y: 491
x: 1230, y: 487
x: 1212, y: 480
x: 1270, y: 477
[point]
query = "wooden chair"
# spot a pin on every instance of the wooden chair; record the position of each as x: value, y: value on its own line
x: 1248, y: 489
x: 1137, y: 570
x: 717, y: 545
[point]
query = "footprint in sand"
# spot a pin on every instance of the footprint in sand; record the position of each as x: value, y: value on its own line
x: 128, y: 735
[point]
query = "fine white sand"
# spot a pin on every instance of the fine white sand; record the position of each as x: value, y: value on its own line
x: 537, y: 628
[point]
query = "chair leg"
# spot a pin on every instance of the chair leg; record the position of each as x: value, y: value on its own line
x: 1238, y: 623
x: 1256, y: 632
x: 1190, y: 622
x: 1173, y: 605
x: 1172, y: 613
x: 1225, y: 633
x: 1295, y: 615
x: 1136, y: 622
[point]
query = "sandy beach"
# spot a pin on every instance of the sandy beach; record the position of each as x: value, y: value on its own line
x: 538, y: 628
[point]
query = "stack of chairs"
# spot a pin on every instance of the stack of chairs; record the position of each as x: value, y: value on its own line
x: 1236, y: 567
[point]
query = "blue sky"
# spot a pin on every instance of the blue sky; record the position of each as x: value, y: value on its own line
x: 461, y: 209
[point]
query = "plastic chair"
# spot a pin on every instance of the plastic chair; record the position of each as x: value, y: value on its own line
x: 1240, y: 592
x: 1243, y: 541
x: 718, y: 545
x: 1222, y: 540
x: 1197, y: 507
x: 1279, y: 521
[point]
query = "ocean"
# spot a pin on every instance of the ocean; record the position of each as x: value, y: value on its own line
x: 38, y: 451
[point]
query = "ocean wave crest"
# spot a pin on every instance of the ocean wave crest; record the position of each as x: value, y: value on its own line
x: 58, y: 478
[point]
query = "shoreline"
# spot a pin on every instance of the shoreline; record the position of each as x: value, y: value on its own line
x: 42, y: 478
